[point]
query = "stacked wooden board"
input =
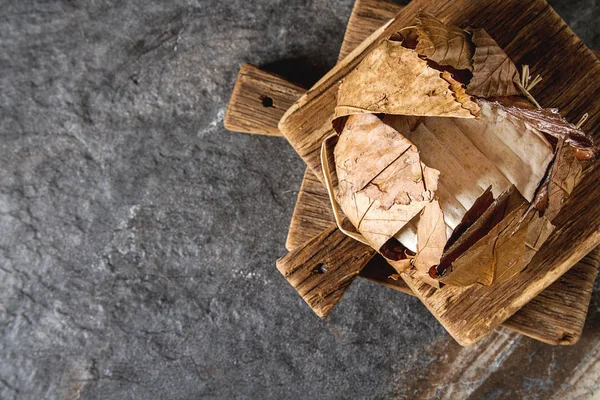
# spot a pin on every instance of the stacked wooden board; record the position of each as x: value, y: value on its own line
x: 555, y: 316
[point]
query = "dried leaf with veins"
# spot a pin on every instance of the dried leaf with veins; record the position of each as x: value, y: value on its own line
x: 492, y: 216
x: 443, y: 44
x: 431, y: 237
x: 392, y: 79
x: 494, y: 74
x: 529, y: 239
x: 377, y: 198
x: 564, y: 176
x: 496, y: 150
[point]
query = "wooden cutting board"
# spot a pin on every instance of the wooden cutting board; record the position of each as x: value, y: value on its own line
x: 260, y: 99
x: 556, y: 316
x: 470, y: 313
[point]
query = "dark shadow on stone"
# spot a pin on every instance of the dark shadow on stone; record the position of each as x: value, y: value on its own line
x: 301, y: 71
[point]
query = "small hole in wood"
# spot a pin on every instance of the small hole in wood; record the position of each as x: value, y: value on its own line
x: 266, y: 101
x: 320, y: 269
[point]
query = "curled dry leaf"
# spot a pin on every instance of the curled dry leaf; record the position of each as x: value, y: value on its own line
x: 394, y: 80
x: 443, y: 44
x: 461, y: 95
x: 380, y: 197
x: 494, y: 74
x: 551, y: 122
x: 503, y: 252
x: 482, y: 203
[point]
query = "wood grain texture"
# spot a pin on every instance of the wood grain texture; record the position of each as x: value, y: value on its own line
x: 556, y: 316
x: 470, y: 313
x: 258, y: 101
x: 549, y: 317
x: 321, y: 276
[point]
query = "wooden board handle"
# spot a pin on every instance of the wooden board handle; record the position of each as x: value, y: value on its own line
x: 258, y: 101
x: 324, y: 267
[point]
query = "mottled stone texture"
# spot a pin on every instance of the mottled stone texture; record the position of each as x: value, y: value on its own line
x: 138, y: 238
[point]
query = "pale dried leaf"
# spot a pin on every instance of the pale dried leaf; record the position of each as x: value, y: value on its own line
x: 401, y: 182
x: 380, y: 199
x: 431, y: 234
x: 400, y: 265
x: 494, y: 74
x: 443, y: 44
x: 392, y: 79
x: 366, y: 148
x: 519, y: 151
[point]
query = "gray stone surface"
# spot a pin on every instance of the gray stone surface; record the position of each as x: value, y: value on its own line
x: 138, y: 237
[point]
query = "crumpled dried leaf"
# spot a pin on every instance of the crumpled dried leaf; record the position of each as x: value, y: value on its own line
x: 443, y: 44
x: 551, y: 122
x: 502, y: 253
x: 461, y: 95
x: 496, y: 150
x: 367, y: 150
x: 394, y: 80
x: 374, y: 200
x: 565, y: 174
x: 495, y: 213
x: 519, y: 249
x: 431, y: 234
x: 494, y: 74
x: 482, y: 203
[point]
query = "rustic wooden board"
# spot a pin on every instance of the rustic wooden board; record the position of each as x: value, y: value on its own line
x: 258, y: 101
x: 556, y: 316
x: 473, y: 312
x: 320, y: 276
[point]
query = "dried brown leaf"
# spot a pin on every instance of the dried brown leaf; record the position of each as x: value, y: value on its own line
x: 392, y: 79
x: 494, y: 74
x: 513, y: 255
x: 504, y: 252
x: 503, y: 205
x: 443, y: 44
x: 565, y: 175
x: 379, y: 188
x: 482, y: 203
x: 431, y: 234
